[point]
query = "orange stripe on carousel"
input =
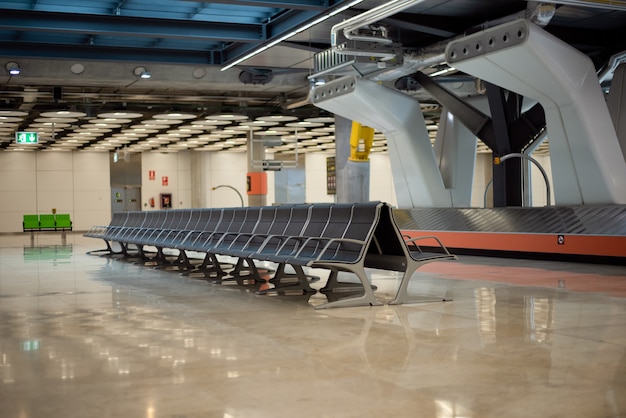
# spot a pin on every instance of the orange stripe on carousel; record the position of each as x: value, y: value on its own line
x: 596, y: 245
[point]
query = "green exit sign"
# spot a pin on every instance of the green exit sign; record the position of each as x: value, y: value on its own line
x: 27, y: 137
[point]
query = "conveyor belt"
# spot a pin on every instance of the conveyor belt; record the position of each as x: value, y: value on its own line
x: 593, y: 230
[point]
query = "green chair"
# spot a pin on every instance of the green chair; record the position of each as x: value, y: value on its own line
x: 47, y: 222
x: 30, y: 223
x: 63, y: 221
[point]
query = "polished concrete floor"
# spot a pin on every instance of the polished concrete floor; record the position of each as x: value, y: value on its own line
x: 88, y: 336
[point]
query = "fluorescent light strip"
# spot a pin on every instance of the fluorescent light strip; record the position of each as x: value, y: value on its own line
x: 290, y: 34
x: 442, y: 72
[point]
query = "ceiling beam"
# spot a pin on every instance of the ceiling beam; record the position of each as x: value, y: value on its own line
x: 72, y: 23
x: 279, y: 4
x: 109, y: 54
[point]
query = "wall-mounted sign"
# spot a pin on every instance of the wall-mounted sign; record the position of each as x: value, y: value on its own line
x: 331, y: 176
x: 164, y: 181
x: 166, y: 200
x: 151, y: 175
x: 27, y: 137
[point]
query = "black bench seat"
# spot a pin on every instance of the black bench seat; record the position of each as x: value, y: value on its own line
x: 335, y: 237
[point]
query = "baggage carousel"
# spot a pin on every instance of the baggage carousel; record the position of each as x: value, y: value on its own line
x: 586, y: 232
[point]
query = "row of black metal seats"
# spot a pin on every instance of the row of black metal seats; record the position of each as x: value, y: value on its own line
x: 338, y: 237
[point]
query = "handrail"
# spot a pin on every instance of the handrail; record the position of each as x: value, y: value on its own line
x: 537, y: 164
x: 524, y: 157
x: 232, y: 188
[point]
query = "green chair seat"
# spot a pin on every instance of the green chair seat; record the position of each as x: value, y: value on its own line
x: 47, y: 221
x: 30, y: 222
x: 63, y: 221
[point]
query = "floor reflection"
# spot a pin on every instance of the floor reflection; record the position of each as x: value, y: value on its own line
x: 83, y: 335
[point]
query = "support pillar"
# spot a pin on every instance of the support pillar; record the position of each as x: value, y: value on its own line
x: 256, y: 178
x: 353, y: 177
x: 507, y: 177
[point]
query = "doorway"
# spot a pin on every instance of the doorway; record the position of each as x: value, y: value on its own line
x: 125, y: 199
x: 125, y: 169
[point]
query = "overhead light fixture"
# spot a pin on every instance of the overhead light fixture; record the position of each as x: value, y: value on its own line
x: 13, y: 68
x: 442, y: 72
x: 142, y: 72
x: 266, y: 46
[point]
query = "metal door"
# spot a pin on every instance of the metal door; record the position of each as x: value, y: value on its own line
x: 125, y: 199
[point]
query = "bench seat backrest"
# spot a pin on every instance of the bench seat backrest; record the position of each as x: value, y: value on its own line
x: 46, y: 221
x: 247, y: 238
x: 335, y: 220
x: 178, y: 223
x: 260, y: 239
x: 363, y: 220
x: 387, y: 237
x: 214, y: 229
x: 201, y: 226
x: 63, y: 221
x: 317, y: 219
x: 30, y: 222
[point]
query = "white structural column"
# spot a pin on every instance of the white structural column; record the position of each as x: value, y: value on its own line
x: 416, y: 175
x: 588, y: 166
x: 616, y: 100
x: 353, y: 178
x: 455, y: 150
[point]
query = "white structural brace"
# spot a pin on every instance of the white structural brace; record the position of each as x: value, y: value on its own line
x: 417, y: 178
x: 588, y: 166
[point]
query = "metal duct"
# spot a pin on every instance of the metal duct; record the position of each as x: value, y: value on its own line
x: 364, y: 19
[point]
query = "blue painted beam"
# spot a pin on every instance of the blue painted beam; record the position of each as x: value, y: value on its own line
x: 279, y: 4
x: 126, y: 26
x: 110, y: 54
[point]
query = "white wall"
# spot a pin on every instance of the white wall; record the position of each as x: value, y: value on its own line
x: 315, y: 171
x: 381, y: 179
x: 483, y: 174
x: 538, y: 184
x: 177, y: 168
x: 70, y: 182
x: 226, y: 169
x: 78, y: 183
x: 92, y: 190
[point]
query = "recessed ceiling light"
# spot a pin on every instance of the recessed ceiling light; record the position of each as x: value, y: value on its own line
x: 258, y: 123
x: 277, y: 118
x: 304, y: 124
x: 17, y: 113
x: 162, y: 122
x: 77, y: 68
x: 218, y: 122
x: 63, y: 114
x: 55, y: 120
x: 175, y: 115
x: 120, y: 114
x: 321, y: 119
x: 13, y: 68
x: 10, y: 119
x: 227, y: 116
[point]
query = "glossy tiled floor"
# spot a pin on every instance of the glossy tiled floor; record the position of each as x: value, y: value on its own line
x: 87, y: 336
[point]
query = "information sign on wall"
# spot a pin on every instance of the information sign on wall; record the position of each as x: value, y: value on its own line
x: 331, y: 176
x: 164, y: 181
x: 27, y: 137
x: 151, y: 175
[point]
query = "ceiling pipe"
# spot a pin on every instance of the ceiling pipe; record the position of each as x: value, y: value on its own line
x: 432, y: 55
x: 382, y: 39
x: 607, y: 73
x: 598, y: 4
x: 374, y: 15
x: 414, y: 60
